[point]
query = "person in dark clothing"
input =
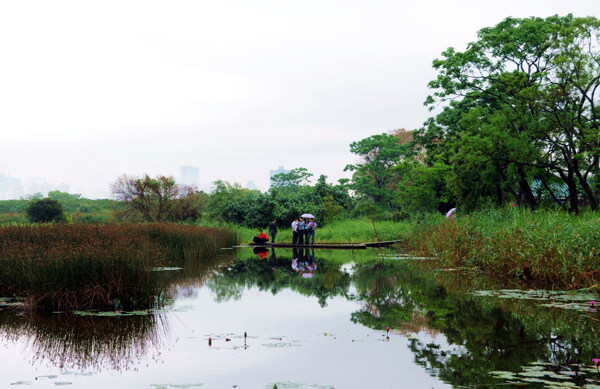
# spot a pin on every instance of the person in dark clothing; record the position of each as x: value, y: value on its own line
x: 273, y: 230
x: 261, y: 238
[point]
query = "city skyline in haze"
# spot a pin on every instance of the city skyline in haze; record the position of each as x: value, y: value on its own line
x: 91, y: 91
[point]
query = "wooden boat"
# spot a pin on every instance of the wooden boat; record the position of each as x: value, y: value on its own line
x: 342, y: 246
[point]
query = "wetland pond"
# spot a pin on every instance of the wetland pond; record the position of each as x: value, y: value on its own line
x: 313, y: 319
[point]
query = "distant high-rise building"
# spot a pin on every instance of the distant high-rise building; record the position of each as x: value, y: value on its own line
x: 190, y: 175
x: 42, y: 187
x: 17, y: 190
x: 11, y: 188
x: 251, y: 185
x: 272, y: 173
x: 4, y: 187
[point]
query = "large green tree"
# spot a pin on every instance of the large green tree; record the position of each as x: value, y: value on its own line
x: 520, y: 103
x: 231, y: 203
x: 374, y: 177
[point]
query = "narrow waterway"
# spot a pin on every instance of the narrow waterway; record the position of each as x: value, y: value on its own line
x: 309, y: 319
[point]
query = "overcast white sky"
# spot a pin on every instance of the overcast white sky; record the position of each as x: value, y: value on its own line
x: 92, y: 90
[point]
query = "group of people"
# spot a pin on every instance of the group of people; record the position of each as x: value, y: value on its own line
x: 263, y: 238
x: 303, y: 232
x: 304, y: 263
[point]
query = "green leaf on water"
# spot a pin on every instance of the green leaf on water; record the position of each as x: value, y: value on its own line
x: 505, y: 375
x: 165, y: 268
x: 533, y: 373
x: 554, y: 299
x: 535, y: 367
x: 112, y: 313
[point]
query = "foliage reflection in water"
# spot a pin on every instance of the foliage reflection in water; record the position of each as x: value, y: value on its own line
x: 90, y: 344
x: 458, y: 337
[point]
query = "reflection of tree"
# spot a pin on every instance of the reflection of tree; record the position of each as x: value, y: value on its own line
x: 73, y: 342
x: 483, y: 335
x: 97, y: 342
x: 276, y: 274
x: 387, y: 302
x: 195, y: 270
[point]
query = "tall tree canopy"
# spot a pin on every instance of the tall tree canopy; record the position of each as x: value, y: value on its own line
x: 374, y: 177
x: 520, y: 103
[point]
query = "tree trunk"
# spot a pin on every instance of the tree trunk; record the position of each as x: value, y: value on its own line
x: 525, y: 189
x: 585, y: 186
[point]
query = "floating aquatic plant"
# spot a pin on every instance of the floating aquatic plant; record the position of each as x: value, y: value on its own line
x: 554, y: 299
x: 545, y: 373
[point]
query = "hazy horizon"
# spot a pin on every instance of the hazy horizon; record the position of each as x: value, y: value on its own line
x: 91, y: 91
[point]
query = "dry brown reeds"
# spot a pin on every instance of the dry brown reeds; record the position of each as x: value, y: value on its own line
x: 65, y: 267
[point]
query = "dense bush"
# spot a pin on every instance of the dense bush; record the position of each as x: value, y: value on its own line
x: 45, y: 210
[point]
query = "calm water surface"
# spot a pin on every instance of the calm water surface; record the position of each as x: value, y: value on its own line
x: 324, y: 328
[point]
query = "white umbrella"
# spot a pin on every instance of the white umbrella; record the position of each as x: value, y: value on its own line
x: 450, y: 213
x: 307, y: 215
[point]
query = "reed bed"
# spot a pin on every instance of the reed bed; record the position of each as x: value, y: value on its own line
x: 67, y: 267
x: 549, y: 248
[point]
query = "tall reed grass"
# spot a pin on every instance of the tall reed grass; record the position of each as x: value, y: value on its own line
x: 64, y: 267
x: 552, y: 248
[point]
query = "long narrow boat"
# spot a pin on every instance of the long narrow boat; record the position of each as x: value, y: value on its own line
x: 344, y: 246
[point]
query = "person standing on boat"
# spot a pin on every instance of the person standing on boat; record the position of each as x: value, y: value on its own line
x: 261, y: 238
x: 310, y: 231
x: 295, y: 231
x: 301, y: 226
x: 273, y: 230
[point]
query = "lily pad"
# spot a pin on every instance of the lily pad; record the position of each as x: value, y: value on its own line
x: 505, y: 375
x: 280, y: 344
x: 11, y: 302
x: 112, y: 313
x: 554, y: 299
x: 534, y: 373
x: 296, y: 385
x: 165, y: 268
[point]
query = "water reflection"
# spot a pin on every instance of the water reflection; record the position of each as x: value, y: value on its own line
x: 91, y: 343
x: 456, y: 336
x: 303, y: 262
x: 452, y: 334
x: 277, y: 273
x: 480, y: 335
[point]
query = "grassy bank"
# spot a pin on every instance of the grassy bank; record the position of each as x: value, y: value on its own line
x: 64, y: 267
x: 347, y: 231
x: 553, y: 249
x: 541, y: 248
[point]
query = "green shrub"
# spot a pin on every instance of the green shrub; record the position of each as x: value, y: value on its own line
x: 45, y: 211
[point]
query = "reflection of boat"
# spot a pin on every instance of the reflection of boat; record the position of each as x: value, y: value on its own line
x: 347, y: 246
